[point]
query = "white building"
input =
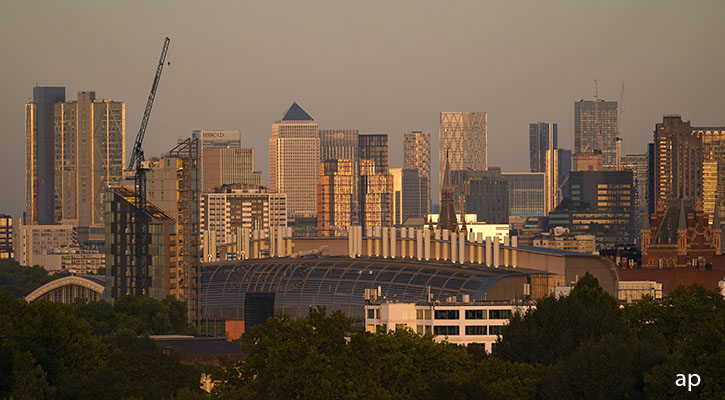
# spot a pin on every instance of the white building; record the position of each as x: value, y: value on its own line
x: 473, y: 226
x: 459, y: 323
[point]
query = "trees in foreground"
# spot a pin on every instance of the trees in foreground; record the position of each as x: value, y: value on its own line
x: 579, y: 346
x: 49, y: 351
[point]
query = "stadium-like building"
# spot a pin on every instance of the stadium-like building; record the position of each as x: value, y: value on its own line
x: 248, y: 292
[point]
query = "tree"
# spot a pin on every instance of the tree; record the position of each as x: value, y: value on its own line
x: 556, y: 327
x: 20, y: 281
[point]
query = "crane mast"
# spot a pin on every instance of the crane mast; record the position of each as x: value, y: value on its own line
x: 137, y: 165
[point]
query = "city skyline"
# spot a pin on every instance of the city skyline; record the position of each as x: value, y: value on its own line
x: 343, y: 85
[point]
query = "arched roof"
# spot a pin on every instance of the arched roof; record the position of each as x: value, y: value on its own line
x: 94, y: 283
x: 339, y: 282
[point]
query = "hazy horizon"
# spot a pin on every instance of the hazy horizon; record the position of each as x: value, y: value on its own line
x: 374, y: 66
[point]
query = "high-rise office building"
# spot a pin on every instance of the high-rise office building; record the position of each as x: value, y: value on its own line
x: 7, y: 251
x: 713, y: 169
x: 40, y: 155
x: 228, y: 166
x: 414, y: 194
x: 90, y: 149
x: 374, y: 147
x: 376, y: 195
x: 639, y: 165
x: 679, y: 156
x: 294, y: 159
x: 543, y: 136
x: 416, y: 155
x: 596, y: 129
x: 601, y: 204
x: 342, y: 144
x: 335, y: 197
x: 462, y: 141
x: 526, y: 194
x: 217, y: 138
x: 551, y: 178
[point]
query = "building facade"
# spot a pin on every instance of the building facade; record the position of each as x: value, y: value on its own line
x: 416, y: 155
x: 294, y: 157
x: 40, y: 155
x: 374, y: 147
x: 464, y: 323
x: 543, y: 136
x: 217, y: 138
x: 34, y: 242
x: 375, y: 195
x: 7, y: 251
x: 596, y: 130
x: 227, y: 166
x: 639, y: 165
x: 335, y: 197
x: 526, y: 194
x: 713, y: 169
x: 234, y: 207
x: 462, y: 140
x: 122, y: 277
x: 90, y: 151
x: 679, y: 157
x: 415, y: 194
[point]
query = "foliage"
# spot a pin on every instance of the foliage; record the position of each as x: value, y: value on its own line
x: 321, y: 357
x: 48, y: 351
x: 141, y: 315
x: 557, y: 326
x: 20, y: 281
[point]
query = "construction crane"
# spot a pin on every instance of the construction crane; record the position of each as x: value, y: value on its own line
x: 138, y: 165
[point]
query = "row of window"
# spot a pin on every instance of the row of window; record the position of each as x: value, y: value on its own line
x: 454, y: 330
x: 374, y: 313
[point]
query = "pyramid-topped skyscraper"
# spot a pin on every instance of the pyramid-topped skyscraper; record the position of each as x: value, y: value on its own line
x: 294, y: 157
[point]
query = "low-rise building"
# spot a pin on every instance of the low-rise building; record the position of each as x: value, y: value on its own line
x: 461, y: 323
x: 560, y: 238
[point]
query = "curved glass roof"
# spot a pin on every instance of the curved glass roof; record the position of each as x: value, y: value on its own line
x: 337, y: 283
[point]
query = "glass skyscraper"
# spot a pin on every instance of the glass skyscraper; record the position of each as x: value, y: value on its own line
x: 462, y: 140
x: 596, y: 129
x: 542, y: 136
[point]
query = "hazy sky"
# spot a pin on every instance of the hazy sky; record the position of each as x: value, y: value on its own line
x: 376, y: 66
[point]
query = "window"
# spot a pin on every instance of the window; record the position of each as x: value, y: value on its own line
x: 419, y: 314
x: 371, y: 313
x: 499, y: 314
x: 446, y: 314
x: 401, y: 327
x: 446, y: 330
x: 419, y: 329
x: 475, y: 314
x: 495, y: 329
x: 476, y: 330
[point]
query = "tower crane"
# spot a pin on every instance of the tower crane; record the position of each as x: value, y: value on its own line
x: 620, y: 127
x: 138, y: 166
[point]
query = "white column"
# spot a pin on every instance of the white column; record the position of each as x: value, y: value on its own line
x: 403, y: 249
x: 438, y: 244
x: 454, y: 247
x: 426, y: 244
x: 411, y: 242
x: 392, y: 242
x: 446, y: 253
x: 272, y: 241
x: 369, y: 239
x: 419, y: 244
x: 515, y: 252
x: 496, y: 252
x: 245, y: 243
x: 506, y: 252
x: 462, y: 249
x: 489, y: 251
x: 479, y: 247
x: 351, y: 242
x: 385, y: 241
x: 281, y: 251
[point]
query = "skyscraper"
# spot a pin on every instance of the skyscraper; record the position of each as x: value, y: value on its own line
x: 376, y: 195
x: 713, y: 180
x: 90, y: 149
x: 462, y: 136
x: 342, y: 144
x: 40, y: 155
x: 416, y: 155
x: 542, y: 136
x: 596, y: 129
x: 374, y: 147
x: 639, y: 165
x: 334, y: 197
x: 679, y: 158
x: 294, y: 159
x: 228, y: 166
x: 526, y: 194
